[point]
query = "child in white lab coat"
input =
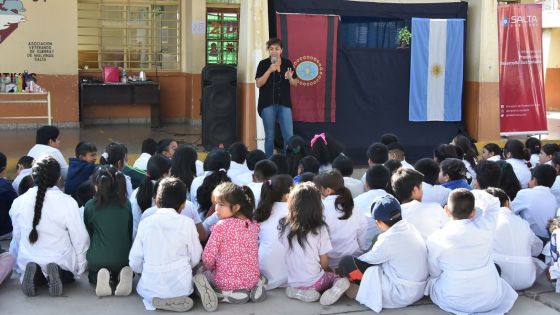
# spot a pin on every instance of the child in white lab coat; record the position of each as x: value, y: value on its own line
x: 427, y: 217
x: 166, y: 280
x: 515, y: 245
x: 537, y: 203
x: 463, y: 277
x: 385, y: 274
x: 49, y: 238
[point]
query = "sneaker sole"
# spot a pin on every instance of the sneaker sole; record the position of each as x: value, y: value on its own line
x: 258, y: 294
x: 310, y: 296
x: 333, y: 294
x: 124, y: 288
x: 178, y: 304
x: 234, y: 297
x: 102, y: 288
x: 207, y: 294
x: 28, y: 283
x: 53, y: 278
x: 352, y: 291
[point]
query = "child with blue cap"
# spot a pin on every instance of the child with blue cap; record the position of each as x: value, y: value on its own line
x: 394, y: 272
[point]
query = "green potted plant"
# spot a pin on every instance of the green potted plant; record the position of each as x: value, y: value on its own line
x: 404, y: 37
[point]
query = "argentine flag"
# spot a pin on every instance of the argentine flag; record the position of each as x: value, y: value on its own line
x: 436, y: 69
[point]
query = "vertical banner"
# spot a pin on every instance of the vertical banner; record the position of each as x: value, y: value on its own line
x: 522, y: 103
x: 310, y: 42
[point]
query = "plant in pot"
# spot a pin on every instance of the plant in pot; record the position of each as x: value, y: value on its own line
x: 404, y: 37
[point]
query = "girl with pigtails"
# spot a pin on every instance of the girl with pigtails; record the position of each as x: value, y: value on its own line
x: 272, y: 207
x: 49, y: 238
x: 108, y: 219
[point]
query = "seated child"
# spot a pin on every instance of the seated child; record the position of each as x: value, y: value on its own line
x: 427, y: 217
x: 385, y: 274
x: 23, y: 169
x: 453, y: 174
x: 149, y: 148
x: 253, y: 157
x: 81, y: 167
x: 238, y: 152
x: 7, y: 196
x: 308, y: 164
x: 397, y: 153
x: 142, y: 197
x: 547, y: 152
x: 48, y: 143
x: 305, y: 236
x: 537, y: 204
x: 345, y: 166
x: 108, y: 219
x: 167, y: 147
x: 463, y: 277
x: 231, y: 256
x: 281, y: 161
x: 431, y: 190
x: 515, y: 246
x: 347, y: 228
x: 166, y: 280
x: 325, y: 149
x: 273, y: 207
x: 264, y: 170
x: 377, y: 180
x: 491, y: 152
x: 49, y: 239
x: 377, y: 153
x: 554, y: 268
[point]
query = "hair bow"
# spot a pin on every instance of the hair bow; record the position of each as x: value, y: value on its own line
x: 317, y: 137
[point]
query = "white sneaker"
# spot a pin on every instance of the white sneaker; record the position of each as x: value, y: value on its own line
x: 206, y: 292
x: 177, y: 304
x: 124, y: 287
x: 102, y: 288
x: 332, y: 295
x: 233, y: 296
x: 303, y: 295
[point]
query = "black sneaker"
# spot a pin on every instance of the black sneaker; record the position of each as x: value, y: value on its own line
x: 53, y: 278
x: 28, y: 286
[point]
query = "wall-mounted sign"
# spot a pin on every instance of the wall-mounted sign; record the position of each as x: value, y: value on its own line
x: 40, y: 50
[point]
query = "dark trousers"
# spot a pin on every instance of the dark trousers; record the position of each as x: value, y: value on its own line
x: 352, y: 268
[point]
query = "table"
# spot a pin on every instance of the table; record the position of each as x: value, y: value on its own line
x: 147, y: 92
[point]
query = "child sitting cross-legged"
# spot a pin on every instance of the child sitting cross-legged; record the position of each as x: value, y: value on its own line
x: 305, y: 235
x: 231, y: 256
x: 166, y: 280
x: 385, y: 275
x: 463, y: 277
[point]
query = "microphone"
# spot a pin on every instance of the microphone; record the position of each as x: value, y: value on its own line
x: 273, y: 59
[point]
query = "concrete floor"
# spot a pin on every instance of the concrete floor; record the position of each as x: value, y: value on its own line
x: 80, y: 298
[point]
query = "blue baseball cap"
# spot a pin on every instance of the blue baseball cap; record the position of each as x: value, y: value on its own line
x: 386, y: 208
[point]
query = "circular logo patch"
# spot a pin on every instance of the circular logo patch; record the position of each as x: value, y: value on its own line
x: 309, y: 70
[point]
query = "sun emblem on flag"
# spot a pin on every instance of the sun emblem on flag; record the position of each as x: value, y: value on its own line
x: 437, y: 70
x: 309, y: 70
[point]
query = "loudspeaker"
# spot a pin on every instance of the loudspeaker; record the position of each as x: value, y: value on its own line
x: 219, y: 106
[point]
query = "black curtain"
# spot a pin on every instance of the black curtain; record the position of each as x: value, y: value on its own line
x: 372, y: 84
